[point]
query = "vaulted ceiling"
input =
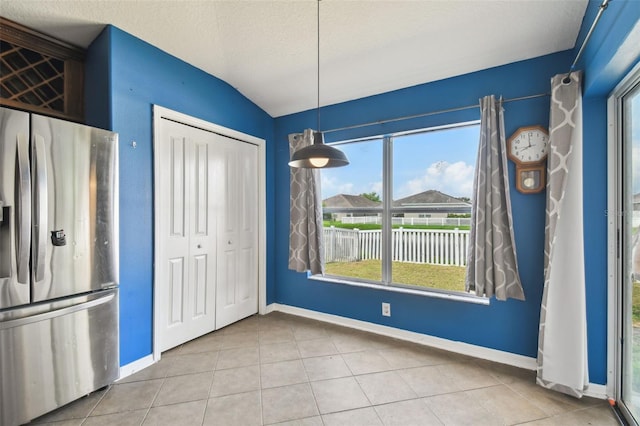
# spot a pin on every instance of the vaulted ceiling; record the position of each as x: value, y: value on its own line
x: 267, y: 49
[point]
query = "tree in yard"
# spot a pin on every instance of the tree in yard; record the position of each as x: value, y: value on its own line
x: 373, y: 196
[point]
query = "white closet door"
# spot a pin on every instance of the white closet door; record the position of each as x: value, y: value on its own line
x: 237, y: 269
x: 186, y: 243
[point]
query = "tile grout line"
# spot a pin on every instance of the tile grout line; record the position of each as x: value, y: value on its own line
x: 372, y: 405
x: 153, y: 400
x: 308, y: 383
x: 213, y: 378
x: 518, y: 384
x: 95, y: 405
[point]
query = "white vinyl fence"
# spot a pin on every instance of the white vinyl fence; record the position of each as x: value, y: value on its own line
x: 452, y: 221
x: 432, y: 246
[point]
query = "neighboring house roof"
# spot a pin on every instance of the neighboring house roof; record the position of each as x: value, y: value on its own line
x: 636, y: 201
x: 349, y: 201
x: 432, y: 199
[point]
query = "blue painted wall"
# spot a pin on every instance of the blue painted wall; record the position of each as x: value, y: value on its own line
x: 508, y: 326
x: 97, y: 89
x: 126, y: 76
x: 614, y: 46
x: 129, y: 76
x: 612, y: 52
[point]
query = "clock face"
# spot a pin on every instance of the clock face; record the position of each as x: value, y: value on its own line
x: 529, y: 145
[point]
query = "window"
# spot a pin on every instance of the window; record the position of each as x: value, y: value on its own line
x: 399, y: 213
x: 625, y: 230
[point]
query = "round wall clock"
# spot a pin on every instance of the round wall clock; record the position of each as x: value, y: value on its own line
x: 528, y: 148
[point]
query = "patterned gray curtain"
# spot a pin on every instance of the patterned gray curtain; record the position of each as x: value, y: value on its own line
x: 562, y: 338
x: 305, y: 208
x: 491, y: 265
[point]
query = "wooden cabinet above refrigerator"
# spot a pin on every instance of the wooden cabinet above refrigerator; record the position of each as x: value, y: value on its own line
x: 39, y: 73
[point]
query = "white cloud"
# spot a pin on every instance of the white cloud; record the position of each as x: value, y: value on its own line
x: 331, y: 185
x: 455, y: 179
x: 376, y: 187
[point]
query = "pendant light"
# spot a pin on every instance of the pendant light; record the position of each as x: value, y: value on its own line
x: 318, y: 155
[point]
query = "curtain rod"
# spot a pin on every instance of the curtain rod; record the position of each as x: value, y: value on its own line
x: 601, y: 9
x: 426, y: 114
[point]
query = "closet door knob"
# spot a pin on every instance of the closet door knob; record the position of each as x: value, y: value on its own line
x: 199, y: 245
x: 229, y: 242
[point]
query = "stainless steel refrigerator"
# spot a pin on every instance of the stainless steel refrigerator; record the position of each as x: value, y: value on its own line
x: 58, y: 263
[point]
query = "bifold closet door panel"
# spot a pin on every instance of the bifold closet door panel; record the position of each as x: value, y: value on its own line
x: 237, y: 269
x: 186, y: 234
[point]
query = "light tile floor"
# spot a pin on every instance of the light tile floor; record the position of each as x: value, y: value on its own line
x: 282, y: 369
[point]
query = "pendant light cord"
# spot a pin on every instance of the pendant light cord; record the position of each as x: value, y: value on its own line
x: 318, y: 63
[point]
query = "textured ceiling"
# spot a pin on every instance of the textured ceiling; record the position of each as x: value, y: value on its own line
x: 267, y: 49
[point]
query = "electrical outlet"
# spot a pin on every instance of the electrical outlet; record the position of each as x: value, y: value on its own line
x: 386, y: 309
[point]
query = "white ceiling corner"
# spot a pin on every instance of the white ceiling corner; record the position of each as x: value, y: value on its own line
x: 267, y: 48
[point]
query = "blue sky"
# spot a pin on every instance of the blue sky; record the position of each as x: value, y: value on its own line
x: 442, y: 159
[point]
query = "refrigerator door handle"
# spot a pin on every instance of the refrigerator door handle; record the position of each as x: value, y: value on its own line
x: 82, y: 306
x: 41, y: 208
x: 23, y: 211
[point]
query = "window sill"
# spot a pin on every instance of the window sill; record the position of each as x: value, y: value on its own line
x: 458, y: 297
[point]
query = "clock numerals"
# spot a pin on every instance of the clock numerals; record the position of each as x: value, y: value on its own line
x: 529, y: 145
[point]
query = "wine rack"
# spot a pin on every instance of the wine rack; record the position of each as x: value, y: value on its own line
x: 39, y: 73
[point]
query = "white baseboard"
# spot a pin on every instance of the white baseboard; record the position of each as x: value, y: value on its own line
x: 411, y: 336
x: 135, y: 366
x: 502, y: 357
x: 271, y: 308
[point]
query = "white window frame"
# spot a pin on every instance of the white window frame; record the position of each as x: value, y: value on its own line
x: 614, y: 229
x: 387, y: 213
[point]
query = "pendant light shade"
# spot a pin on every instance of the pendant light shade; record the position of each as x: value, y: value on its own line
x: 318, y: 155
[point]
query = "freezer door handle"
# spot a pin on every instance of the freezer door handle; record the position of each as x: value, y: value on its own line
x: 41, y: 209
x: 83, y: 306
x: 23, y: 210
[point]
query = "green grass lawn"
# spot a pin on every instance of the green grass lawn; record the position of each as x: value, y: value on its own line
x: 635, y: 356
x: 433, y: 276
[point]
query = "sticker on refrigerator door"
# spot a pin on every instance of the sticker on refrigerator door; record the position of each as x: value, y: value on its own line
x: 58, y: 238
